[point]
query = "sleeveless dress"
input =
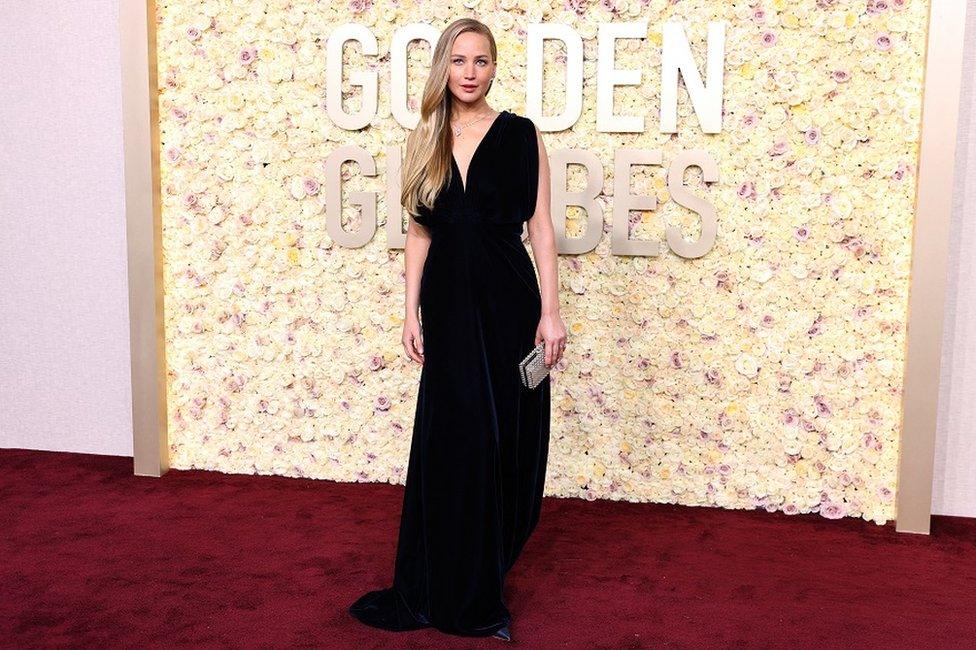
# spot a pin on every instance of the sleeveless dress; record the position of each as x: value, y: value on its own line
x: 480, y: 443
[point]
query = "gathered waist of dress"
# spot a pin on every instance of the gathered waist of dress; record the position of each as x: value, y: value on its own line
x: 475, y: 228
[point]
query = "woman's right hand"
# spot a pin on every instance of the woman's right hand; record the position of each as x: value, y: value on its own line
x: 413, y: 341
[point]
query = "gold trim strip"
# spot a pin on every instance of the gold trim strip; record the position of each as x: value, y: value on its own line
x: 143, y: 227
x: 930, y: 253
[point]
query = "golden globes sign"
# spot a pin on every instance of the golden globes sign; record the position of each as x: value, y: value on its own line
x: 676, y: 60
x: 734, y: 195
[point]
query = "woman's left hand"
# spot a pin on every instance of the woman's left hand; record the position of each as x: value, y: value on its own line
x: 553, y: 332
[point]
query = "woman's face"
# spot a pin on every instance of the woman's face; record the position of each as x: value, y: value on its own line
x: 471, y: 67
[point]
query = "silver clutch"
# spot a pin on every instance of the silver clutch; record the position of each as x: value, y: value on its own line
x: 533, y: 368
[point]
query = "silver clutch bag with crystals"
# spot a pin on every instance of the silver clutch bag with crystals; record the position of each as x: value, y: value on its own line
x: 533, y: 368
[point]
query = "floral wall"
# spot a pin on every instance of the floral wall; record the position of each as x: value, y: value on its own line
x: 767, y: 373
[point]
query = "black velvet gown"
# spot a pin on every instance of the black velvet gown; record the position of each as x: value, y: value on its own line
x: 480, y: 441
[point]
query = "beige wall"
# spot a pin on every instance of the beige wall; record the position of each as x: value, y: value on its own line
x: 954, y: 484
x: 64, y: 342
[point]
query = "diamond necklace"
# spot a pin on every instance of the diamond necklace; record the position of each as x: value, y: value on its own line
x: 457, y: 129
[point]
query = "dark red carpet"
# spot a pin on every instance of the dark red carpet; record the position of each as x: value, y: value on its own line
x: 91, y: 555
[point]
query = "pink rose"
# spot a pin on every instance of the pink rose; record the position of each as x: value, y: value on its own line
x: 247, y: 55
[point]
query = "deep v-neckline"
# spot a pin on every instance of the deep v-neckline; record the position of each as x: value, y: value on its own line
x: 464, y: 179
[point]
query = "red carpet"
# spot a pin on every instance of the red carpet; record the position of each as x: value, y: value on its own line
x: 92, y: 555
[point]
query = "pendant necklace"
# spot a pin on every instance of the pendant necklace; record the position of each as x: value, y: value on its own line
x: 457, y: 129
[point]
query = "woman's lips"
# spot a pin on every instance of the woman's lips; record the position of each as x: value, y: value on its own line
x: 467, y: 87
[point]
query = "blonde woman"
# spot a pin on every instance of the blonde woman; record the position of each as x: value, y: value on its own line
x: 472, y: 177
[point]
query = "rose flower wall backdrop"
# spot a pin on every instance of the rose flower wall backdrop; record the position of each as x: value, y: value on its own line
x: 763, y: 370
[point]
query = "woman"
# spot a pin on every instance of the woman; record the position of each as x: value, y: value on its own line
x: 480, y: 443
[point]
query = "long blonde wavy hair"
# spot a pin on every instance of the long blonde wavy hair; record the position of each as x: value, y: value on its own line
x: 427, y: 168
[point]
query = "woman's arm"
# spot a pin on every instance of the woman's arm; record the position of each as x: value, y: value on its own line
x: 415, y: 254
x: 543, y: 239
